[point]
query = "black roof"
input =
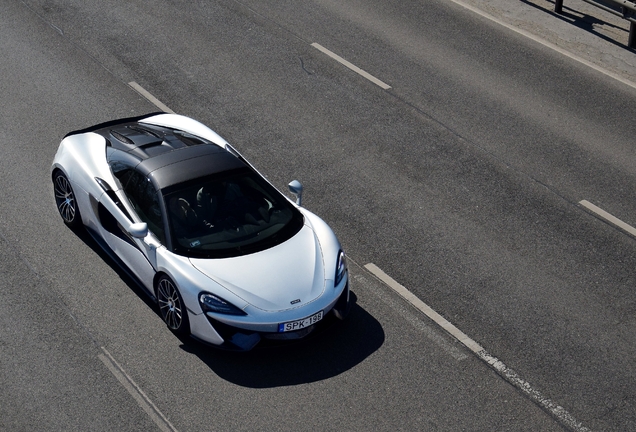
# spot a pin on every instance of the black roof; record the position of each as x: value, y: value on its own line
x: 167, y: 156
x: 189, y: 163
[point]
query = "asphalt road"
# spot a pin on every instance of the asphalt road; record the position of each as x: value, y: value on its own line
x: 462, y: 181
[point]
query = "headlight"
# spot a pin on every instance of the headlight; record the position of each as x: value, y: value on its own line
x: 211, y: 303
x: 341, y: 268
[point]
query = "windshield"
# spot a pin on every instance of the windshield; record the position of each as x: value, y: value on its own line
x: 227, y: 215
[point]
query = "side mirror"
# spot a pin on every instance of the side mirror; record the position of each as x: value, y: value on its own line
x: 296, y: 188
x: 138, y: 230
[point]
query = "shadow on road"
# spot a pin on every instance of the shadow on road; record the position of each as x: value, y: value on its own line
x: 118, y: 267
x: 336, y: 349
x: 581, y: 20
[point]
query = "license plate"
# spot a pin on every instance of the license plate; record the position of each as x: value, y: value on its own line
x: 300, y: 324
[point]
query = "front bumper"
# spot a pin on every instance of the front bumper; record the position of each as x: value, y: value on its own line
x: 239, y: 339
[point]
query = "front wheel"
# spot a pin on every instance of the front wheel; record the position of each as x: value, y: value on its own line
x: 65, y: 200
x: 171, y: 307
x: 343, y: 306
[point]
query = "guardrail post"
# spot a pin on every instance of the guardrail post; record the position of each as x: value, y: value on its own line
x: 558, y: 6
x: 631, y: 42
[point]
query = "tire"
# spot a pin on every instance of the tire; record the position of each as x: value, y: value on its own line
x: 171, y: 307
x: 66, y: 201
x: 343, y: 305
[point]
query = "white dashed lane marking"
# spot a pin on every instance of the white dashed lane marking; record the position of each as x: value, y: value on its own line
x: 145, y: 93
x: 609, y: 218
x: 137, y: 393
x: 351, y: 66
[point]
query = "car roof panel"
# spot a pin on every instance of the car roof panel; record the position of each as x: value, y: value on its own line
x: 188, y: 163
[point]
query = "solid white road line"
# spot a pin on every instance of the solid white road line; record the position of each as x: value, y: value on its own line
x: 353, y: 67
x: 140, y: 397
x: 558, y: 412
x: 546, y: 43
x: 145, y: 93
x: 608, y: 217
x: 426, y: 309
x: 414, y: 317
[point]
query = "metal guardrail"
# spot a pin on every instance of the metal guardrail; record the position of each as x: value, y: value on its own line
x: 622, y: 8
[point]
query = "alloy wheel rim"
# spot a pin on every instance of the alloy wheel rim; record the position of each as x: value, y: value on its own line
x: 170, y: 304
x: 65, y: 198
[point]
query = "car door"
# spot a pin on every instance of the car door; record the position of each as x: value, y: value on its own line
x: 138, y: 254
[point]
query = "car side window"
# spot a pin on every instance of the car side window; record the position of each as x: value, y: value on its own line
x: 122, y: 173
x: 144, y: 198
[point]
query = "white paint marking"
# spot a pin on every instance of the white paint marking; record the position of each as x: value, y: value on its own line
x: 145, y: 93
x: 426, y: 309
x: 513, y: 378
x: 144, y: 401
x: 429, y: 330
x: 547, y: 44
x: 609, y: 218
x: 351, y: 66
x: 558, y: 412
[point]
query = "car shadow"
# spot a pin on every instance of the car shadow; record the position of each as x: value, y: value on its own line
x: 584, y: 22
x: 336, y: 349
x: 118, y: 267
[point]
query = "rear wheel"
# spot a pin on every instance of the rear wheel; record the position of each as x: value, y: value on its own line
x: 171, y: 306
x: 65, y: 200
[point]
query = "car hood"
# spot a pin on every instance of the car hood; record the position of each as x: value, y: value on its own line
x: 286, y: 276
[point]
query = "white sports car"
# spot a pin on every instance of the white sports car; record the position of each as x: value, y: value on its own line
x: 228, y: 258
